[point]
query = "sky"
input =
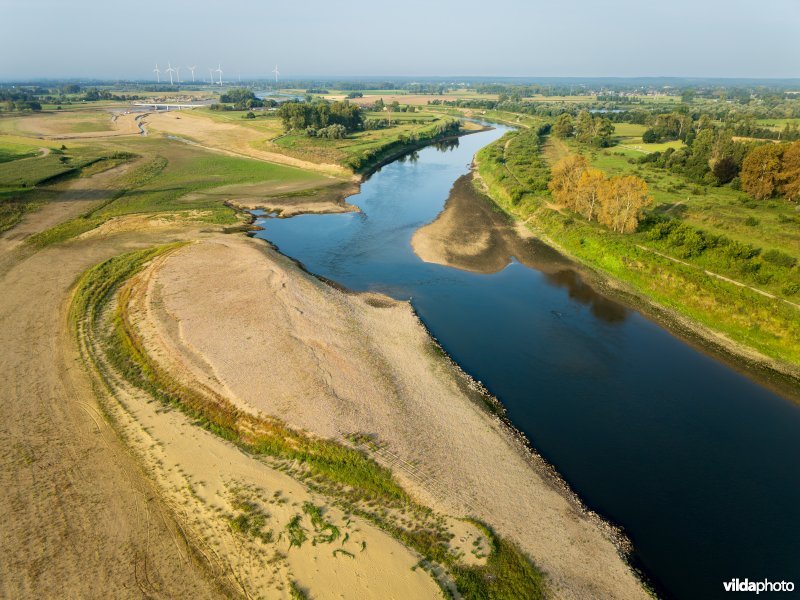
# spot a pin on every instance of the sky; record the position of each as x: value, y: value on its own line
x: 111, y: 39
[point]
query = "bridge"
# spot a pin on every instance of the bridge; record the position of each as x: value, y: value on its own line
x: 167, y: 105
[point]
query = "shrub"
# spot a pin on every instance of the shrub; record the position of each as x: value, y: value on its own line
x: 781, y: 259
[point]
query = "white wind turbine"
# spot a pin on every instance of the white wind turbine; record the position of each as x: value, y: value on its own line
x: 157, y: 71
x: 170, y: 70
x: 211, y: 74
x: 219, y: 70
x: 192, y: 70
x: 275, y: 70
x: 178, y: 71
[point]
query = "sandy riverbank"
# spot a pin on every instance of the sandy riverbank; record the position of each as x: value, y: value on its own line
x: 334, y: 363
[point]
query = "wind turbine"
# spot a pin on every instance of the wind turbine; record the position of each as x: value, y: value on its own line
x: 157, y: 71
x: 275, y: 70
x: 219, y: 70
x: 211, y: 74
x: 192, y: 70
x: 178, y: 70
x: 170, y: 70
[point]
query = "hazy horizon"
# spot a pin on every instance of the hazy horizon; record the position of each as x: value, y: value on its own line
x: 505, y: 38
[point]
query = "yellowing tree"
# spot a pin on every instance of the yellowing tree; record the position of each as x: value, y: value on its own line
x: 587, y: 194
x: 761, y: 171
x: 621, y: 202
x: 565, y: 176
x: 790, y: 172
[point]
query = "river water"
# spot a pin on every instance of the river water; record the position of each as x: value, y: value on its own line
x: 697, y: 463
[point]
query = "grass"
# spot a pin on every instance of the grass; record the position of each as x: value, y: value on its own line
x: 363, y: 487
x: 327, y: 532
x: 10, y: 151
x: 40, y: 170
x: 25, y: 175
x: 296, y: 592
x: 363, y: 149
x: 295, y: 531
x: 628, y: 136
x: 173, y: 181
x: 507, y: 575
x: 249, y: 520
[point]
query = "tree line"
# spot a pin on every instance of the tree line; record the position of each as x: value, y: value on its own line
x: 320, y: 114
x: 587, y: 128
x: 616, y: 202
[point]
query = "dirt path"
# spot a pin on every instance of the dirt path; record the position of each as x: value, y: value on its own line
x: 79, y: 519
x: 718, y: 276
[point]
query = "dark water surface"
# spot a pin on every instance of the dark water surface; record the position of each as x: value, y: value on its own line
x: 698, y: 464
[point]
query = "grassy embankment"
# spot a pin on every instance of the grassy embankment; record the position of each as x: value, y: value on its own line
x: 358, y: 151
x: 364, y: 149
x: 709, y: 230
x: 354, y: 481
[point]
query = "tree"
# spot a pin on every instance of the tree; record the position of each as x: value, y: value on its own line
x: 584, y: 127
x: 593, y: 130
x: 724, y: 168
x: 565, y: 175
x: 621, y: 202
x: 564, y: 126
x: 790, y: 172
x: 761, y: 171
x: 588, y: 191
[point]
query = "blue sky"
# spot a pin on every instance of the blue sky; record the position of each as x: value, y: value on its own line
x: 114, y: 39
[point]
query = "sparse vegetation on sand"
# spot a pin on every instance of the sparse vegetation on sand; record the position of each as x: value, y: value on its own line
x: 356, y: 481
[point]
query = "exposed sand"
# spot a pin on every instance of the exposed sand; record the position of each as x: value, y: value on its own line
x: 229, y: 138
x: 59, y: 125
x: 473, y: 234
x: 205, y: 479
x: 289, y: 199
x: 79, y: 518
x: 83, y: 518
x: 233, y: 315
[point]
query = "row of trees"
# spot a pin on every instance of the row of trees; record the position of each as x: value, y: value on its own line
x: 18, y: 100
x: 241, y: 99
x: 320, y: 114
x: 587, y: 128
x: 616, y: 202
x: 772, y: 169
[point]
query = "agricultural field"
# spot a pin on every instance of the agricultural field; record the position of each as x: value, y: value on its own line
x: 776, y: 124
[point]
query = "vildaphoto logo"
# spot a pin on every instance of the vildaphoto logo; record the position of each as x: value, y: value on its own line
x: 745, y: 585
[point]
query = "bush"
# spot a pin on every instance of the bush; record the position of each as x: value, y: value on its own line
x: 790, y: 289
x: 781, y: 259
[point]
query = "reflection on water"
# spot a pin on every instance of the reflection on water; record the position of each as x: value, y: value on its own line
x: 695, y: 461
x: 602, y: 307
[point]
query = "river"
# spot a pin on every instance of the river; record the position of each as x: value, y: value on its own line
x: 697, y: 463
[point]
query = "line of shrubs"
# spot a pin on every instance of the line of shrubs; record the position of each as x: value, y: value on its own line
x: 721, y: 253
